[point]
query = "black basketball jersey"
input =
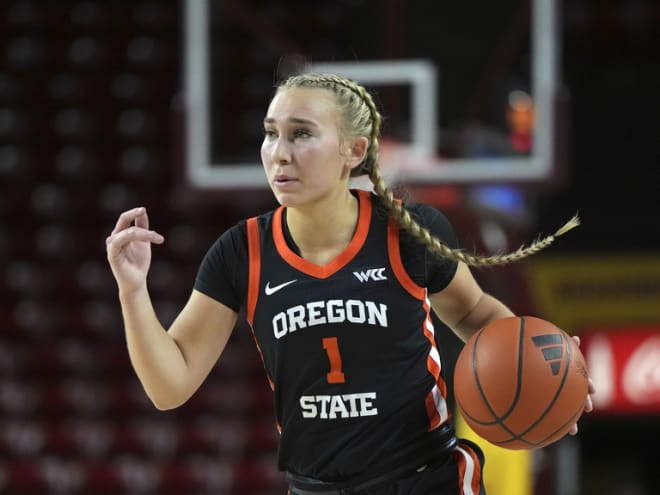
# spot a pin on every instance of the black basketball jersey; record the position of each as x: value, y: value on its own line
x: 348, y: 348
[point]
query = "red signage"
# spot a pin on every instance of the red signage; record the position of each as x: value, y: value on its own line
x: 624, y: 365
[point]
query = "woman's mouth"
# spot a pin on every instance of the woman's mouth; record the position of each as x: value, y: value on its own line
x: 284, y: 180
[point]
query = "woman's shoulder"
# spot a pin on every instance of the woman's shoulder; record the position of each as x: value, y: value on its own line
x: 423, y: 213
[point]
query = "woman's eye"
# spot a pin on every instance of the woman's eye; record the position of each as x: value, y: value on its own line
x: 269, y: 133
x: 298, y: 133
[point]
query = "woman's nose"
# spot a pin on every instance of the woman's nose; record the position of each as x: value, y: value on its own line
x: 281, y: 152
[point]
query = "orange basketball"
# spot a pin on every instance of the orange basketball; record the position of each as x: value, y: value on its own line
x: 520, y: 383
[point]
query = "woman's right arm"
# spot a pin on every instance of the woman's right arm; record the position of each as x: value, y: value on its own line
x: 171, y: 365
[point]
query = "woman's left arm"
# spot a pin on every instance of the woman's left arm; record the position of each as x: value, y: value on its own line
x: 464, y: 307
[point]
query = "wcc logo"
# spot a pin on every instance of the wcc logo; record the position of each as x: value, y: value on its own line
x: 372, y: 274
x: 552, y: 347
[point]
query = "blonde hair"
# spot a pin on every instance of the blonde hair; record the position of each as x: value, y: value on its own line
x: 360, y: 117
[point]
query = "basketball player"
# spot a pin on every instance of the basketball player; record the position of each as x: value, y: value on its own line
x: 337, y: 285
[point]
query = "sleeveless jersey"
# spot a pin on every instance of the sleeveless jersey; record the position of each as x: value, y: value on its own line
x: 348, y: 348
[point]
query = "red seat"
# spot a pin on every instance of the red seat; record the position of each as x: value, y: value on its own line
x: 23, y: 438
x: 214, y: 474
x: 129, y: 399
x: 258, y: 475
x: 19, y: 398
x: 25, y: 478
x: 102, y: 479
x: 217, y: 437
x: 50, y: 200
x: 93, y: 437
x: 176, y: 479
x: 100, y: 317
x: 60, y: 443
x: 16, y: 168
x: 138, y: 475
x: 76, y: 357
x: 157, y: 438
x: 26, y: 52
x: 10, y: 89
x: 12, y: 358
x: 92, y: 83
x: 84, y: 396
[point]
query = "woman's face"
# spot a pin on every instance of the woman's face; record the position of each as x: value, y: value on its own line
x: 302, y: 148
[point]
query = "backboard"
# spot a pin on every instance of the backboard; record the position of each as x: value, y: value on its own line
x: 468, y: 90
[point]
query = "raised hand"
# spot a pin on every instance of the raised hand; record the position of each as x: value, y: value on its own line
x: 128, y: 249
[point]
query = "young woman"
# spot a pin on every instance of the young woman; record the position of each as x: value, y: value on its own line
x: 338, y: 285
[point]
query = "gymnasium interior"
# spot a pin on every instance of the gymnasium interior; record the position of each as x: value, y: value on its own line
x: 102, y: 107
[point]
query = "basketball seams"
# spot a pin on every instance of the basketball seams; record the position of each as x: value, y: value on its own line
x: 568, y: 422
x: 477, y: 381
x: 519, y: 373
x: 549, y: 407
x: 569, y: 358
x: 497, y: 419
x: 516, y: 398
x: 560, y: 392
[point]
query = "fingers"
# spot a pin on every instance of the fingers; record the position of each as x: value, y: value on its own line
x: 117, y: 241
x: 135, y: 234
x: 142, y: 220
x: 133, y: 225
x: 137, y: 215
x: 589, y: 403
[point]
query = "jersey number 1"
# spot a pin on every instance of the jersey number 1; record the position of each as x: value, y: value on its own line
x: 332, y: 349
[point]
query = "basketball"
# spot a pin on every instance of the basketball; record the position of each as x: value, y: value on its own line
x: 520, y: 383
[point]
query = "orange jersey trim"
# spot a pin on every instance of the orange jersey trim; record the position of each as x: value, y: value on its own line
x: 394, y: 251
x: 254, y: 255
x: 469, y: 469
x: 436, y: 406
x: 325, y: 271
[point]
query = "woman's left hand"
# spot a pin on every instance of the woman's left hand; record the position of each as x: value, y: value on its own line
x: 588, y: 403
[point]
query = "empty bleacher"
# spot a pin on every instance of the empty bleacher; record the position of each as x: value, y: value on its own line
x: 86, y: 92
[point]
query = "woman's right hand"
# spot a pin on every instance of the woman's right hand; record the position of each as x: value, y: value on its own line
x: 128, y: 249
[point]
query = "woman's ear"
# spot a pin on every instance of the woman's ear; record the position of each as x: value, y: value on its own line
x: 357, y: 151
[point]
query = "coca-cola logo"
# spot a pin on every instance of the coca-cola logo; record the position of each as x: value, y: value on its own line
x: 641, y: 375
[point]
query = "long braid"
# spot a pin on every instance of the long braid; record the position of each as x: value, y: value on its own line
x: 367, y: 123
x: 402, y: 216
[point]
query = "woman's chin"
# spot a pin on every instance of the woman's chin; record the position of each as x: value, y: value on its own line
x: 285, y: 198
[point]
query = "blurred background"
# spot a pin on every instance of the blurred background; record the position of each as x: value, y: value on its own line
x: 97, y: 103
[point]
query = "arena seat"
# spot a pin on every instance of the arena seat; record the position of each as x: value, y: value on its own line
x: 86, y: 96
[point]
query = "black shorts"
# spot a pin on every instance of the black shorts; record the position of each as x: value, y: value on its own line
x: 458, y: 473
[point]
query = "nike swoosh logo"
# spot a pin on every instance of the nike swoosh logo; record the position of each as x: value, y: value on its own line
x: 272, y: 290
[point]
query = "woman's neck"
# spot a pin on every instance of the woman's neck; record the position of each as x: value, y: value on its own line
x: 323, y: 230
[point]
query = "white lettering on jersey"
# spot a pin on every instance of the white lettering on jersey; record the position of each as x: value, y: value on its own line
x: 332, y: 311
x: 373, y: 274
x: 338, y: 406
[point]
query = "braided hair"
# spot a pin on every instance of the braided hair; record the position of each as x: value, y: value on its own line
x: 360, y: 117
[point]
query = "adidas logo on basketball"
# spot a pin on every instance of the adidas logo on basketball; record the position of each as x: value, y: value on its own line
x: 552, y: 347
x: 372, y: 274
